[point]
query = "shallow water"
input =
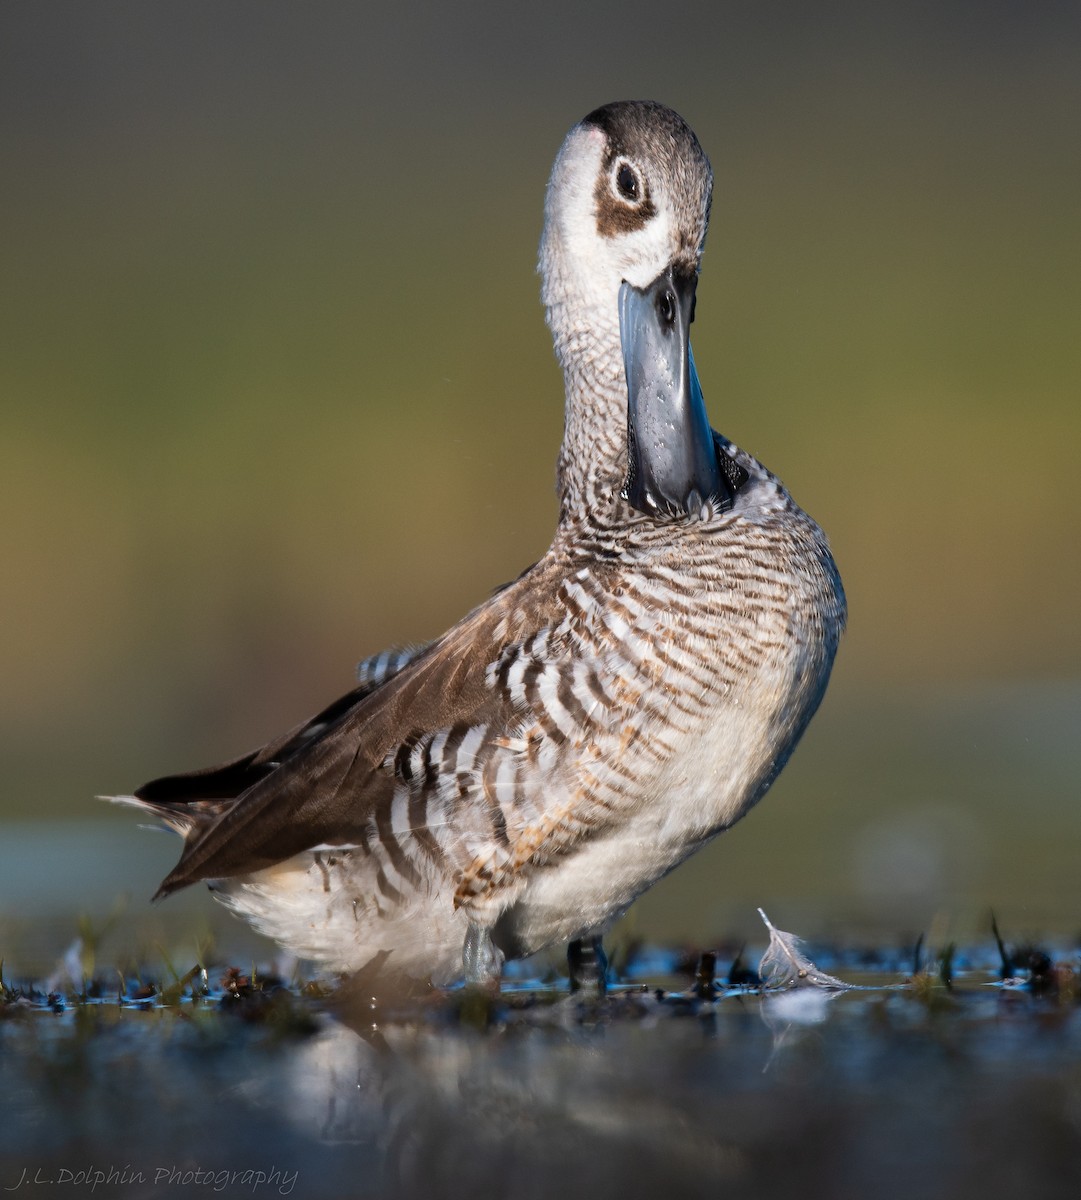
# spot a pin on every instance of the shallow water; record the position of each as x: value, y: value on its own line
x: 880, y: 1091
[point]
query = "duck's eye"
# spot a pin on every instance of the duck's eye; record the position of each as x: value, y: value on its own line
x: 627, y: 182
x: 666, y: 307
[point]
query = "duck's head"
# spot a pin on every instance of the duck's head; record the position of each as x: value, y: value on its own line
x: 626, y: 213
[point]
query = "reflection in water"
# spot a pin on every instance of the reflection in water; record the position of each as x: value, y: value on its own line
x: 751, y: 1091
x: 523, y: 1102
x: 865, y: 1093
x: 789, y: 1014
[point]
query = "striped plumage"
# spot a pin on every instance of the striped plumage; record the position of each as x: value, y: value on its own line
x: 522, y: 779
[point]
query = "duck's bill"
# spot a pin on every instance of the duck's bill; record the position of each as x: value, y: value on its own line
x: 672, y: 467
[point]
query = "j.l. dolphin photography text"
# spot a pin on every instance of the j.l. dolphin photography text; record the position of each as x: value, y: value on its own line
x: 249, y: 1180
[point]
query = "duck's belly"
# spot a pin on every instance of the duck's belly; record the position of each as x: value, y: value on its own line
x: 320, y: 907
x: 718, y: 772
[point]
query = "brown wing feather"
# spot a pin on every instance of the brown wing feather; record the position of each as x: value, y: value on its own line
x: 328, y: 788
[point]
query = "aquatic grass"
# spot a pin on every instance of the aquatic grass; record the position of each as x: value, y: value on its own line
x: 171, y: 996
x: 287, y: 1002
x: 13, y: 1002
x: 1033, y: 967
x: 740, y: 975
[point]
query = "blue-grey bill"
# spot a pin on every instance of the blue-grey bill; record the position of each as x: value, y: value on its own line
x: 672, y: 467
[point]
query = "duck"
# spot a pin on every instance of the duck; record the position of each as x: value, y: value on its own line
x: 519, y: 781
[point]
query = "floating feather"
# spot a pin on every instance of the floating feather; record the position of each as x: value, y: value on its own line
x: 784, y: 965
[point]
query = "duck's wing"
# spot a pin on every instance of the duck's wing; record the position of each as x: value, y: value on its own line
x: 339, y: 771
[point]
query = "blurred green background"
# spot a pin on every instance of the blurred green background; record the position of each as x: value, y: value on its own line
x: 276, y: 392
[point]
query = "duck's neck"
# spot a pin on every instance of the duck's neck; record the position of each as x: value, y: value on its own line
x: 592, y: 465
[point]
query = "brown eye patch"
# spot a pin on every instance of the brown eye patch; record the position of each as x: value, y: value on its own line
x: 627, y: 206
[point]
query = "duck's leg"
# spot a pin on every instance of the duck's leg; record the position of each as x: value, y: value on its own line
x: 481, y: 958
x: 588, y: 966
